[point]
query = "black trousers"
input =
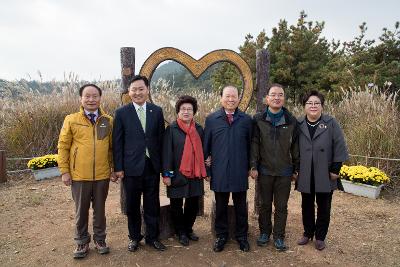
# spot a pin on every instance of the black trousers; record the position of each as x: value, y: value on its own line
x: 147, y: 184
x: 318, y: 227
x: 241, y: 214
x: 183, y: 217
x: 273, y: 189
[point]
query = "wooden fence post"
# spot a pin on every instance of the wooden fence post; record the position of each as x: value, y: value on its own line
x: 127, y: 72
x: 3, y: 169
x: 127, y: 66
x: 262, y: 77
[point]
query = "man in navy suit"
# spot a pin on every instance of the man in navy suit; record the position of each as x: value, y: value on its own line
x: 227, y: 136
x: 137, y: 142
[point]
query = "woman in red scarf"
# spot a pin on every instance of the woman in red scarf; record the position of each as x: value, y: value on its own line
x: 184, y: 168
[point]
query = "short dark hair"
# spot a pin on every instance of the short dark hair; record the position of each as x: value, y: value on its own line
x: 229, y: 85
x: 311, y: 93
x: 186, y: 99
x: 275, y: 85
x: 87, y: 85
x: 138, y: 78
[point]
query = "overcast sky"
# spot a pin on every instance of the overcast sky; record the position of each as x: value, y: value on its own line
x: 84, y: 37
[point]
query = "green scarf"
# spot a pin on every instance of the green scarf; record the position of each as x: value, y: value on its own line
x: 275, y: 117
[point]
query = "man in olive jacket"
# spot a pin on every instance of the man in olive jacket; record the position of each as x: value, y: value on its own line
x: 85, y: 161
x: 274, y: 159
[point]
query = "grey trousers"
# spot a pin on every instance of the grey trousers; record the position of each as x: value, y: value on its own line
x: 84, y: 193
x: 274, y: 189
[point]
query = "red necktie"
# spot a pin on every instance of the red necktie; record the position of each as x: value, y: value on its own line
x: 230, y: 118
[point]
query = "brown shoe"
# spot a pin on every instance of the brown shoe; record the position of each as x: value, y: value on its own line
x: 303, y: 240
x: 101, y: 247
x: 81, y: 251
x: 320, y: 244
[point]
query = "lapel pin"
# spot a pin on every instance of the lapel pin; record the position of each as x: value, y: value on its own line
x: 322, y: 126
x: 151, y: 110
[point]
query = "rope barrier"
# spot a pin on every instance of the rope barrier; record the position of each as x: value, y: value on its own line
x: 368, y: 157
x: 17, y: 171
x: 12, y: 159
x: 351, y: 155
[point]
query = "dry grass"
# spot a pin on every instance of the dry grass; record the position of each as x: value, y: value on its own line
x: 30, y: 125
x: 370, y: 119
x: 165, y: 96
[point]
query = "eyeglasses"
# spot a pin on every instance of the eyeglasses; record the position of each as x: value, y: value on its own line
x: 317, y: 104
x: 186, y: 109
x: 276, y: 95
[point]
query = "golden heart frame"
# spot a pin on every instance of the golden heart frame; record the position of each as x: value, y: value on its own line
x: 198, y: 67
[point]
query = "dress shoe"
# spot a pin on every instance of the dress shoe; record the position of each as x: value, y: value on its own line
x: 304, y: 240
x: 219, y: 244
x: 157, y: 245
x: 320, y: 244
x: 184, y: 240
x: 263, y: 240
x: 133, y: 245
x: 192, y: 236
x: 244, y: 245
x: 280, y: 244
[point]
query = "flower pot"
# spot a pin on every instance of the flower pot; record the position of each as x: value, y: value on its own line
x: 363, y: 190
x: 46, y: 173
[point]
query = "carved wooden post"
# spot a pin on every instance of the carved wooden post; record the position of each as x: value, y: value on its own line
x: 262, y: 78
x: 127, y: 66
x: 127, y: 72
x: 3, y: 170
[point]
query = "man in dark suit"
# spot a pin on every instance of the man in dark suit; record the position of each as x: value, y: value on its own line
x: 137, y: 142
x: 227, y: 136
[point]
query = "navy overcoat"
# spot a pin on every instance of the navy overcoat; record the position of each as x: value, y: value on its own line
x: 229, y: 147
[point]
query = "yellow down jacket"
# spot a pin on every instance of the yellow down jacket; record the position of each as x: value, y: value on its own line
x: 84, y: 149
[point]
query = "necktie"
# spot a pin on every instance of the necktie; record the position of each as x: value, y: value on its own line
x: 142, y: 118
x: 230, y: 118
x: 91, y: 118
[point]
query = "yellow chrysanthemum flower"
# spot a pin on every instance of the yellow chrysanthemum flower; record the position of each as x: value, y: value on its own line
x: 43, y: 162
x: 363, y: 174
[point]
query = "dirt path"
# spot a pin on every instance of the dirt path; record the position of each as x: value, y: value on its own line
x: 37, y: 218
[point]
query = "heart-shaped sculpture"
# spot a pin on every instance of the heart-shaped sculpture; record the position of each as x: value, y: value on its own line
x: 197, y: 67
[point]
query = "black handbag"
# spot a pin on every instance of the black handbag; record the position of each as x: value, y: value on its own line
x: 178, y: 180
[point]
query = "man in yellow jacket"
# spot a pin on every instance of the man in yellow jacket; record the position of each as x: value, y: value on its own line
x: 85, y: 161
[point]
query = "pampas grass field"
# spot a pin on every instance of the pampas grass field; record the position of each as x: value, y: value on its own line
x: 370, y: 118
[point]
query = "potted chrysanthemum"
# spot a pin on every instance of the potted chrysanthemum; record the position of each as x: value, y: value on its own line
x: 362, y: 180
x: 44, y: 167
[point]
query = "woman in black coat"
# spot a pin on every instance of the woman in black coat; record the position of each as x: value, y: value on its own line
x: 184, y: 168
x: 322, y: 152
